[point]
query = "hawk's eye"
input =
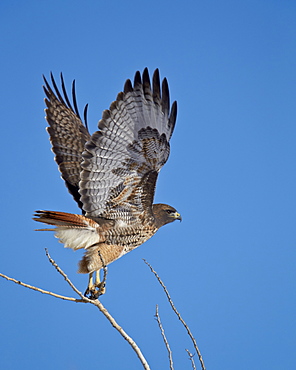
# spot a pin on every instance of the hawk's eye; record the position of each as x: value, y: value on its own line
x: 169, y: 211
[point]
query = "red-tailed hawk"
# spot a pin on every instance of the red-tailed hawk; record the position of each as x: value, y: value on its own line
x: 111, y: 174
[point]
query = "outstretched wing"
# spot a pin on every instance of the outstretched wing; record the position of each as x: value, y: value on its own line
x: 122, y: 160
x: 68, y: 134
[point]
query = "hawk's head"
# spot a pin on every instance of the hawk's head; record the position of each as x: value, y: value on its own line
x: 164, y: 214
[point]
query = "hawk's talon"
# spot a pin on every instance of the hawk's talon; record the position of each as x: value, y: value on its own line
x: 102, y: 287
x: 95, y: 291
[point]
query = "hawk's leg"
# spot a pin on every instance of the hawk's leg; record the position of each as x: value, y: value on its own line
x: 93, y: 291
x: 100, y: 284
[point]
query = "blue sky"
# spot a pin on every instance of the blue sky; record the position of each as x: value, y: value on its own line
x: 230, y: 265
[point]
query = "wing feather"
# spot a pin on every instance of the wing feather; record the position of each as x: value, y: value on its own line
x: 121, y: 161
x: 68, y: 134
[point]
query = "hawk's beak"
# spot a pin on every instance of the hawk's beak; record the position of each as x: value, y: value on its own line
x: 177, y: 216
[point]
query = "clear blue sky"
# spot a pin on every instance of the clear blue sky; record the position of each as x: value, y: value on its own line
x: 230, y: 265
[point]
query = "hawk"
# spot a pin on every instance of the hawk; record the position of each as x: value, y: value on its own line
x: 111, y: 174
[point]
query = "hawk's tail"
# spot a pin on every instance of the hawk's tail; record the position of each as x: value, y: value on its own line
x: 62, y: 219
x: 74, y: 231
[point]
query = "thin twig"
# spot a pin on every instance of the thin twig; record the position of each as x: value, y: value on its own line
x: 191, y: 359
x: 64, y: 275
x: 164, y: 338
x: 178, y: 314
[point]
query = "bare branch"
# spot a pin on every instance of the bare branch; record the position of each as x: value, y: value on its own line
x: 105, y: 312
x: 191, y: 359
x: 164, y: 338
x: 178, y: 314
x: 112, y: 321
x: 39, y: 289
x: 84, y: 299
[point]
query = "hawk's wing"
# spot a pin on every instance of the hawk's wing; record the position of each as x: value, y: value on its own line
x: 122, y: 160
x: 68, y: 134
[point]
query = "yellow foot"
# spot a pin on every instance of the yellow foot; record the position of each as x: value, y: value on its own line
x: 95, y: 291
